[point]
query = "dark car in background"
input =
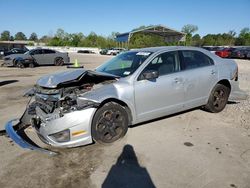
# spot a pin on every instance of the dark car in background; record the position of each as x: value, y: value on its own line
x: 104, y: 51
x: 85, y: 51
x: 248, y: 55
x: 15, y: 51
x: 212, y: 49
x: 241, y: 53
x: 2, y: 51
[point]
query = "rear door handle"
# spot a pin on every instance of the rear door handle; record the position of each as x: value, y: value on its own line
x: 213, y: 72
x: 177, y: 80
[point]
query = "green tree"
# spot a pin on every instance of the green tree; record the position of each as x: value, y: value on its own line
x: 33, y: 37
x: 12, y: 38
x: 244, y: 37
x: 60, y: 33
x: 196, y: 40
x: 189, y: 29
x: 45, y: 39
x: 55, y: 41
x: 20, y: 36
x: 5, y: 35
x: 140, y: 40
x: 113, y: 35
x: 208, y: 40
x: 75, y: 39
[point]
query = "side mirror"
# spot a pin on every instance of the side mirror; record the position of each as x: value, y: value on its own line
x: 149, y: 75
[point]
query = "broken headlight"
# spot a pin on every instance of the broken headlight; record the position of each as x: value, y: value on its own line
x: 63, y: 136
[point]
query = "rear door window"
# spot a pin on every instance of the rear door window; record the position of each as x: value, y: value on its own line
x: 191, y: 59
x: 37, y: 52
x: 47, y: 51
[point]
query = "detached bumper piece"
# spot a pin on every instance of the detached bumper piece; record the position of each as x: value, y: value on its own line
x: 20, y: 138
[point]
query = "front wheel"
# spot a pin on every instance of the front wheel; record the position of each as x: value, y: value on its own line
x: 20, y: 64
x: 218, y: 98
x: 110, y: 123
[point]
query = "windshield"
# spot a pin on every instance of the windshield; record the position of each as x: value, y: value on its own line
x: 124, y: 64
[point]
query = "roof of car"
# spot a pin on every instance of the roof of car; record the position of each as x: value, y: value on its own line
x: 156, y: 49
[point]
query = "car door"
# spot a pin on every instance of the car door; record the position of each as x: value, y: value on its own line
x: 200, y: 75
x: 163, y: 95
x: 49, y: 56
x: 38, y: 56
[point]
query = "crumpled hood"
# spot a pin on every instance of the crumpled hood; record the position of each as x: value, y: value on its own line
x: 73, y: 77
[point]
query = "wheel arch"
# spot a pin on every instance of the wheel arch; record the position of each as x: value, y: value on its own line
x: 58, y: 57
x: 17, y: 59
x: 122, y: 103
x: 225, y: 82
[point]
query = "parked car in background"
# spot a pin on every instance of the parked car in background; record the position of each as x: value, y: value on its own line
x: 85, y: 51
x: 103, y: 51
x: 212, y: 49
x: 114, y: 51
x: 37, y: 57
x: 248, y: 55
x: 241, y: 53
x: 15, y: 51
x: 78, y: 107
x: 224, y: 52
x: 2, y: 51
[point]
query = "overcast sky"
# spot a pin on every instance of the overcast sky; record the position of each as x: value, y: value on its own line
x: 46, y: 16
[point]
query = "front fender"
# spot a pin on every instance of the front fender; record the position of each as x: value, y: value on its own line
x: 109, y: 92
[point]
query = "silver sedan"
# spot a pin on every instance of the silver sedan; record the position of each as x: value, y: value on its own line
x: 36, y: 57
x: 78, y: 107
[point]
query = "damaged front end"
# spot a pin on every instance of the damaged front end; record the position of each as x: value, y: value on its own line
x: 58, y: 112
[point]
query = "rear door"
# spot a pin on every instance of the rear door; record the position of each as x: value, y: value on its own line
x: 200, y: 75
x: 49, y: 56
x: 38, y: 56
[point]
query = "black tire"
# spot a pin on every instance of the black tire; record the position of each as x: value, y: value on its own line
x: 218, y: 98
x: 31, y: 65
x: 19, y: 64
x: 110, y: 123
x: 59, y: 61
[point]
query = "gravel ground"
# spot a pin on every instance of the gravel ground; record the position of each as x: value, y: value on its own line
x: 191, y: 149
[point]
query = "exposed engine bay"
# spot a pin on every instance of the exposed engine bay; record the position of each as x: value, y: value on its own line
x: 53, y: 94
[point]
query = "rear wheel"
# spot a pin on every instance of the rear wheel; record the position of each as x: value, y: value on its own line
x: 218, y: 98
x: 110, y: 123
x: 59, y: 61
x: 31, y: 65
